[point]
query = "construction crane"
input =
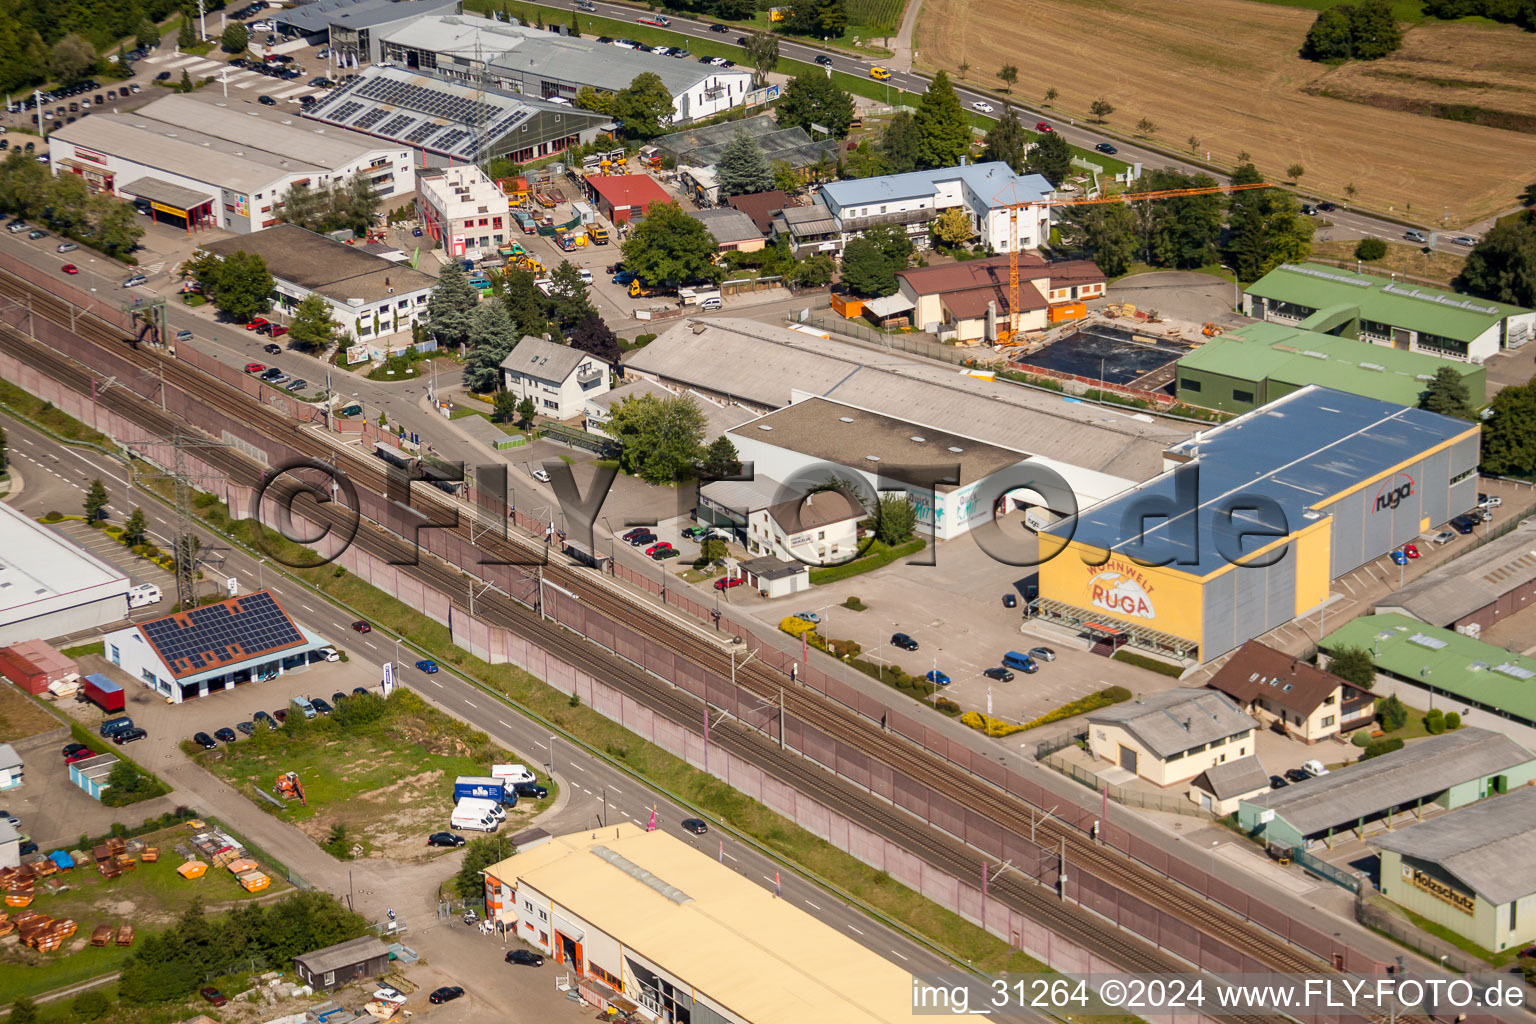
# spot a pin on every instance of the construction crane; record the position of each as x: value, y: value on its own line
x: 1120, y: 197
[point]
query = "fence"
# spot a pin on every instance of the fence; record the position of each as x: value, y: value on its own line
x: 1388, y: 923
x: 272, y: 864
x: 1325, y: 871
x: 1046, y: 748
x: 1171, y: 803
x: 579, y: 439
x: 912, y: 344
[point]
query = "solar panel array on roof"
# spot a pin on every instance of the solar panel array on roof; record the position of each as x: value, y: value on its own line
x: 204, y: 638
x: 371, y: 118
x: 346, y: 110
x: 450, y: 140
x: 421, y: 132
x: 395, y: 124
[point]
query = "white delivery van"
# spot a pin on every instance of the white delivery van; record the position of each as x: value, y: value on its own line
x: 143, y: 594
x: 490, y: 807
x: 511, y: 774
x: 474, y: 818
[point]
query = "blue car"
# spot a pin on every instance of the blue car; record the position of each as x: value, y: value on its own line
x: 1399, y: 558
x: 623, y: 277
x: 427, y: 665
x: 937, y: 678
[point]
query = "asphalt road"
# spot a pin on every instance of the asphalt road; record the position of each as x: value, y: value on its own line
x: 597, y: 793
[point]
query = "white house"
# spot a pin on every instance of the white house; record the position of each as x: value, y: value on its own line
x: 463, y: 209
x: 11, y: 770
x: 558, y: 378
x: 983, y: 191
x: 821, y: 528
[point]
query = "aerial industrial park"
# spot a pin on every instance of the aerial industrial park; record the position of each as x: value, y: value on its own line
x: 716, y: 514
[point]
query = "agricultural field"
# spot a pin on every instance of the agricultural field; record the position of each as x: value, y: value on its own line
x: 878, y: 17
x: 1401, y: 258
x: 1244, y: 89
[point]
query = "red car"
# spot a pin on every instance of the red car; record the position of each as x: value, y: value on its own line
x: 657, y: 547
x: 734, y: 581
x: 277, y: 330
x: 255, y: 367
x: 70, y: 268
x: 256, y: 324
x: 1042, y: 126
x: 1410, y: 551
x: 362, y: 627
x: 79, y: 755
x: 213, y: 995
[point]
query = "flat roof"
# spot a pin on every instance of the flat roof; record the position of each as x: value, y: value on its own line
x: 1177, y: 720
x: 320, y: 264
x: 1300, y: 451
x: 1444, y: 659
x: 764, y: 959
x: 703, y: 146
x: 1486, y: 845
x: 832, y: 432
x: 994, y: 183
x: 1420, y: 770
x: 727, y: 224
x: 158, y: 190
x: 1413, y: 306
x: 1291, y: 355
x: 766, y: 364
x: 1470, y: 581
x: 748, y: 496
x: 235, y: 144
x: 41, y: 572
x: 318, y: 15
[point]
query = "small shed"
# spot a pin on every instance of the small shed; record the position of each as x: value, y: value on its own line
x: 774, y: 577
x: 34, y: 664
x: 346, y: 962
x: 10, y: 767
x: 91, y: 774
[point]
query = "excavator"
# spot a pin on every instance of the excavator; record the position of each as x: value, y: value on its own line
x: 289, y: 787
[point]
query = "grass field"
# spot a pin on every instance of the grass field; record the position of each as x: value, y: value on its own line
x: 1245, y: 89
x: 21, y: 716
x: 1401, y: 258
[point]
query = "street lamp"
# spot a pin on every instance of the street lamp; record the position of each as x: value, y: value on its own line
x: 1237, y: 302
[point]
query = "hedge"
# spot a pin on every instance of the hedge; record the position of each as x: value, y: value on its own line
x: 1092, y: 702
x: 1154, y: 664
x: 989, y: 725
x: 877, y: 559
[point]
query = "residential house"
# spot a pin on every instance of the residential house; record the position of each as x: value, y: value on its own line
x: 557, y: 377
x: 970, y: 301
x: 1173, y: 736
x: 1306, y: 702
x: 733, y: 230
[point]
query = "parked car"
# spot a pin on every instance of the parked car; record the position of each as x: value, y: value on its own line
x: 74, y: 748
x: 304, y: 706
x: 297, y: 385
x: 1489, y: 501
x: 525, y: 957
x: 266, y: 101
x: 446, y: 994
x: 361, y: 626
x: 642, y: 538
x: 262, y: 718
x: 1010, y: 600
x: 212, y: 995
x: 1105, y: 147
x: 1398, y: 558
x: 1411, y: 550
x: 937, y: 678
x: 135, y: 280
x: 67, y: 247
x: 903, y: 641
x: 276, y: 330
x: 542, y: 476
x: 1464, y: 524
x: 428, y: 666
x: 225, y: 734
x: 1277, y: 782
x: 249, y: 728
x: 255, y: 323
x: 128, y: 735
x: 1042, y: 654
x: 164, y: 76
x: 727, y: 584
x: 1443, y: 537
x: 810, y: 617
x: 449, y: 839
x: 359, y: 691
x: 35, y: 234
x: 666, y: 553
x: 694, y: 825
x: 203, y: 740
x: 1002, y: 675
x: 695, y: 532
x: 659, y: 546
x: 532, y: 790
x: 256, y: 368
x: 321, y: 705
x: 337, y: 697
x: 1314, y: 768
x: 281, y: 714
x: 1296, y: 775
x: 79, y: 755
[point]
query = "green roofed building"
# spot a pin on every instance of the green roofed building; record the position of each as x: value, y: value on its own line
x: 1258, y: 363
x: 1385, y: 312
x: 1443, y: 661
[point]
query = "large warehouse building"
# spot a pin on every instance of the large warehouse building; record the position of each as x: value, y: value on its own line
x: 1387, y: 312
x: 1473, y: 591
x: 215, y: 647
x: 49, y: 587
x: 1300, y: 492
x: 201, y: 164
x: 641, y: 919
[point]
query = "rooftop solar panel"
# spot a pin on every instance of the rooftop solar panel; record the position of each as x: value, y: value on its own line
x: 370, y: 119
x: 229, y: 631
x: 395, y: 125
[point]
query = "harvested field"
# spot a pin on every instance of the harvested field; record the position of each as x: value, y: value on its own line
x: 1244, y: 89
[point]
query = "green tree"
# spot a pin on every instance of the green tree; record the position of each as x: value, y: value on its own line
x: 662, y: 438
x: 526, y: 304
x: 1051, y: 158
x: 1502, y: 265
x: 491, y: 337
x: 1448, y: 394
x: 479, y: 854
x: 893, y: 240
x: 813, y: 98
x: 504, y: 407
x: 1329, y: 37
x: 1006, y: 141
x: 588, y: 98
x: 867, y: 271
x: 644, y: 109
x: 1179, y: 232
x: 338, y: 842
x: 953, y: 227
x: 1373, y: 29
x: 526, y: 412
x: 92, y: 1004
x: 785, y: 178
x: 134, y: 529
x: 713, y: 551
x: 742, y: 169
x: 1294, y: 172
x: 235, y: 38
x: 1509, y: 434
x: 823, y: 19
x: 185, y: 85
x: 1354, y: 666
x: 187, y: 36
x: 864, y: 161
x: 1145, y: 128
x: 763, y: 55
x: 1393, y: 712
x: 895, y: 519
x: 23, y: 1011
x: 1050, y: 95
x: 901, y: 143
x: 1265, y: 228
x: 238, y: 284
x: 594, y: 337
x: 312, y: 329
x: 944, y: 134
x: 1105, y: 234
x: 117, y: 231
x: 147, y: 34
x: 721, y: 459
x: 73, y: 58
x: 671, y: 247
x: 568, y: 302
x: 815, y: 271
x: 96, y: 500
x: 452, y: 303
x: 1100, y: 109
x: 1370, y: 249
x: 1009, y: 73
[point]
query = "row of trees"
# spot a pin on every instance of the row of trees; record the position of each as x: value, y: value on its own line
x: 63, y: 203
x: 31, y: 32
x: 1519, y: 12
x: 1502, y: 266
x: 1353, y: 31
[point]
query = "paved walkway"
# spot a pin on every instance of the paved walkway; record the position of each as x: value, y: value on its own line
x: 903, y: 55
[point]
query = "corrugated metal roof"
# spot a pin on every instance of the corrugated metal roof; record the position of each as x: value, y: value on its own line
x: 1176, y: 720
x: 1416, y: 307
x: 1472, y: 581
x: 994, y: 184
x: 1418, y: 771
x: 317, y: 16
x: 1487, y: 845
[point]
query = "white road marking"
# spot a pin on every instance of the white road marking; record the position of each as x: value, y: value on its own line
x: 469, y: 702
x: 503, y: 723
x: 619, y: 791
x: 812, y: 905
x: 898, y: 954
x: 585, y: 790
x: 577, y: 766
x: 731, y: 856
x: 437, y: 684
x: 309, y: 609
x: 767, y: 879
x: 854, y: 930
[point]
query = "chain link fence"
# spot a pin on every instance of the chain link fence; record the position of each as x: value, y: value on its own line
x: 1172, y: 803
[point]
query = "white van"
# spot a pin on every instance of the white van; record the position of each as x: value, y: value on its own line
x: 511, y: 774
x: 473, y: 818
x: 143, y: 594
x: 490, y: 807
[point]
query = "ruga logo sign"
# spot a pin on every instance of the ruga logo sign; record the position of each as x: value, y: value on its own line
x: 1397, y: 489
x: 1118, y: 593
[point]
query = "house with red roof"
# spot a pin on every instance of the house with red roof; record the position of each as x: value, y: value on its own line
x: 621, y: 197
x: 969, y: 301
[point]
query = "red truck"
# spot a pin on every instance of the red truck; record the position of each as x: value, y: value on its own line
x: 102, y: 692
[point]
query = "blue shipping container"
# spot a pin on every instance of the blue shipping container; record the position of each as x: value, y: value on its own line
x: 476, y: 787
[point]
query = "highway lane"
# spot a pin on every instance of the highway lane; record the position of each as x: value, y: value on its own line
x: 598, y: 793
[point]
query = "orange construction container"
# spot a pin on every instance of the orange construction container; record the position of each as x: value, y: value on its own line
x: 241, y: 866
x: 847, y: 305
x: 192, y: 869
x: 255, y: 881
x: 1063, y: 311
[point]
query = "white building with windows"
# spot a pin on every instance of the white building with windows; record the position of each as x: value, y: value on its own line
x: 915, y: 200
x: 463, y: 209
x: 822, y: 528
x: 559, y: 379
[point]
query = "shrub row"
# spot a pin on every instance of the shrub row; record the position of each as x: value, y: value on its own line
x: 989, y: 725
x: 1092, y: 702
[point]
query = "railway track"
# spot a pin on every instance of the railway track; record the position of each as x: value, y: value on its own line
x: 699, y: 647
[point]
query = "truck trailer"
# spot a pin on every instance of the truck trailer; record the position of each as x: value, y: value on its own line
x: 102, y: 692
x: 479, y: 787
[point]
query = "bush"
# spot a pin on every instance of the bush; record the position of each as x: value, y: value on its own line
x: 1092, y: 702
x: 1370, y: 249
x: 991, y: 726
x: 795, y: 626
x: 855, y: 605
x: 1382, y: 746
x: 92, y: 1004
x: 1393, y: 713
x: 1434, y: 722
x: 1452, y: 721
x: 1151, y: 664
x: 1361, y: 738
